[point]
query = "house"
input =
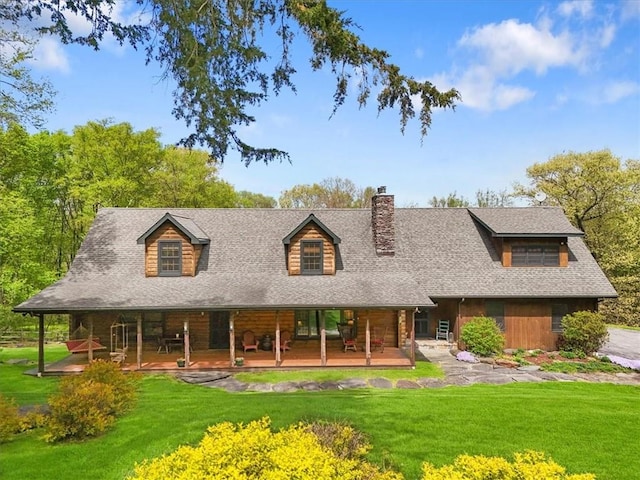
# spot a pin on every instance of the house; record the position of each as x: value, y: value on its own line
x: 209, y: 275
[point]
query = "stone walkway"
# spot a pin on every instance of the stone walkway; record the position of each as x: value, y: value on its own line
x: 456, y: 373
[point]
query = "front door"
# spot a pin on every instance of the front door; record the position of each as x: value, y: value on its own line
x: 219, y: 330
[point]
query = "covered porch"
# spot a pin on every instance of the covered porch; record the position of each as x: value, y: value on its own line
x: 303, y: 354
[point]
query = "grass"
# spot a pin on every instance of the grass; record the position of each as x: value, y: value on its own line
x: 593, y: 366
x: 13, y: 382
x: 585, y: 427
x: 423, y: 369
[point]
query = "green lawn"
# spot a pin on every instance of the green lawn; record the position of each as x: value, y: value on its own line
x: 586, y: 427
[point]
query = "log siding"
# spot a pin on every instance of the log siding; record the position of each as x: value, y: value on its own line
x: 167, y: 232
x: 312, y: 232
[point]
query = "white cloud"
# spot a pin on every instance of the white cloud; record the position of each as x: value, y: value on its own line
x: 48, y: 54
x: 630, y: 10
x: 418, y: 52
x: 616, y: 91
x: 511, y: 47
x: 582, y: 8
x: 607, y: 35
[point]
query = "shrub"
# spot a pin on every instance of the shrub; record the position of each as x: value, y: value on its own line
x: 583, y: 331
x: 9, y: 419
x: 254, y: 451
x: 87, y: 404
x: 80, y: 410
x: 342, y: 439
x: 529, y: 465
x: 482, y: 336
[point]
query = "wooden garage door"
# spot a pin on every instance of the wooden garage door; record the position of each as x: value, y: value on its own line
x: 528, y: 326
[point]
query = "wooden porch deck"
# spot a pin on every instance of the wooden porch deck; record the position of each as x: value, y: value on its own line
x: 302, y: 354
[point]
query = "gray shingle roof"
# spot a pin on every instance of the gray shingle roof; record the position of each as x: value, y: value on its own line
x: 529, y: 221
x: 438, y: 253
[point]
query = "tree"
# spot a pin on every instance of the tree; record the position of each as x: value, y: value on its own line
x: 22, y: 99
x: 451, y: 201
x: 215, y: 51
x: 187, y: 179
x: 334, y: 192
x: 489, y: 198
x: 245, y: 199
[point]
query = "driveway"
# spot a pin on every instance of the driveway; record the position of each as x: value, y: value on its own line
x: 623, y: 343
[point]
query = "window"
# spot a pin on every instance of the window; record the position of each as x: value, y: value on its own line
x: 535, y: 255
x: 495, y: 310
x: 308, y: 322
x: 311, y: 257
x: 558, y: 311
x: 170, y: 258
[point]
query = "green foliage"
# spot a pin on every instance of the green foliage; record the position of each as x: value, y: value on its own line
x: 529, y: 465
x: 9, y: 419
x: 333, y: 192
x: 87, y: 404
x: 80, y: 410
x: 593, y: 366
x: 254, y: 451
x: 342, y: 439
x: 225, y: 59
x: 482, y: 336
x: 583, y: 332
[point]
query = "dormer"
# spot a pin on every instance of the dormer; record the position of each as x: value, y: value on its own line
x: 311, y: 248
x: 173, y: 246
x: 528, y: 237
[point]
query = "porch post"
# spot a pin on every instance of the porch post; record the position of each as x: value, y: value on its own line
x: 413, y: 338
x: 90, y: 349
x: 278, y: 357
x: 367, y: 343
x: 232, y: 340
x: 139, y: 342
x: 187, y: 347
x: 40, y: 344
x: 323, y: 340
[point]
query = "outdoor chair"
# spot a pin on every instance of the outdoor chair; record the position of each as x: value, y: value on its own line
x: 249, y: 341
x: 162, y: 344
x: 348, y: 341
x: 378, y: 341
x: 285, y: 341
x: 442, y: 333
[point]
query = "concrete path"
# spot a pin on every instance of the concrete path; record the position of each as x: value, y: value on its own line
x: 456, y: 373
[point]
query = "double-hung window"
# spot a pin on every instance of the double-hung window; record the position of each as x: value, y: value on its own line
x: 535, y: 255
x: 311, y: 257
x: 495, y: 310
x: 169, y: 258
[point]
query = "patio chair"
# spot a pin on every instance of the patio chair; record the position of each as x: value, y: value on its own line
x: 249, y: 341
x: 285, y: 341
x: 378, y: 341
x: 442, y: 333
x: 348, y: 341
x: 162, y: 344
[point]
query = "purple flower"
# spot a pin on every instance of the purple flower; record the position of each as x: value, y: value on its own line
x: 625, y: 362
x: 466, y: 357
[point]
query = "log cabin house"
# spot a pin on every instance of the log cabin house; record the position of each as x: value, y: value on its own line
x: 207, y: 276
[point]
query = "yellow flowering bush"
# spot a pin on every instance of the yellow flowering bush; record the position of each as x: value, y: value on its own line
x: 528, y: 465
x: 253, y: 451
x: 9, y: 418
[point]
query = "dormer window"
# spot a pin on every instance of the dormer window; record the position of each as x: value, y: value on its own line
x: 535, y: 255
x: 169, y: 258
x: 311, y: 257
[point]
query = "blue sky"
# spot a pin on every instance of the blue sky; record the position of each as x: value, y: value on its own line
x: 536, y: 78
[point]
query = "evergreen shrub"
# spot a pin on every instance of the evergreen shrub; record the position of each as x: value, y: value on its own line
x: 583, y: 332
x: 482, y: 336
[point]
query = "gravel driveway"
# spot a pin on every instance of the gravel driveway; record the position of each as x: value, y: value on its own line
x: 623, y: 343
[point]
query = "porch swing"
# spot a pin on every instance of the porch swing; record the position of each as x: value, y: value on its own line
x: 119, y: 342
x: 79, y: 341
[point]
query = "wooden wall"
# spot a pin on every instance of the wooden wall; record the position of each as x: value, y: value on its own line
x: 527, y: 322
x: 190, y: 253
x: 312, y: 232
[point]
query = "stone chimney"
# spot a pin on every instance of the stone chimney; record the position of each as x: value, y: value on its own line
x: 382, y: 222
